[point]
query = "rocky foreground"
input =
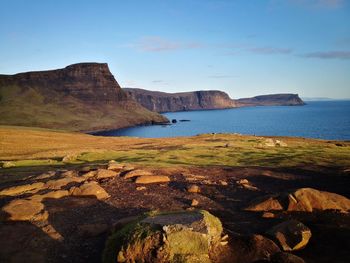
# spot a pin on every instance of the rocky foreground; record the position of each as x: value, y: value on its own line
x: 67, y: 215
x: 211, y: 198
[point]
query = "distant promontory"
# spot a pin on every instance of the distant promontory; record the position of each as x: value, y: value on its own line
x: 205, y: 100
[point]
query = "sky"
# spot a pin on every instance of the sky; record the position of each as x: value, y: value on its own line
x: 242, y: 47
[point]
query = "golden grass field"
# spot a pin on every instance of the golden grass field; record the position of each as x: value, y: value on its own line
x: 35, y: 146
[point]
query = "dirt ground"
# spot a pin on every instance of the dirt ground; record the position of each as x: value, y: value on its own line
x: 62, y: 240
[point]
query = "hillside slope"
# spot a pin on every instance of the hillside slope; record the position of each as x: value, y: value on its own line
x: 196, y: 100
x: 80, y: 97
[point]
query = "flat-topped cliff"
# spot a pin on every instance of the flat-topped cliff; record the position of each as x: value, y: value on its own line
x: 82, y: 96
x: 205, y: 100
x: 196, y: 100
x: 272, y: 100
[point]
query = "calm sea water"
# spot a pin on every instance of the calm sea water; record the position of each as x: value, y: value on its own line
x: 324, y: 120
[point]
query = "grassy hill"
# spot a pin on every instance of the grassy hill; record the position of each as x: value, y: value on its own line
x: 81, y: 97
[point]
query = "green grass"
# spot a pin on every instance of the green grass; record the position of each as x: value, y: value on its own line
x: 26, y: 147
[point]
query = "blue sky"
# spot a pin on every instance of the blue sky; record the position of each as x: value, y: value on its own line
x: 243, y: 47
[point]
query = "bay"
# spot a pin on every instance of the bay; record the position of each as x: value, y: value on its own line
x: 318, y: 119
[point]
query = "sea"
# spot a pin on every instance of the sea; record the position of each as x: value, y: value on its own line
x: 329, y: 120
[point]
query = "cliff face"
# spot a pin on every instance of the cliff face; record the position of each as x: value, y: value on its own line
x: 82, y: 96
x: 197, y: 100
x: 272, y: 100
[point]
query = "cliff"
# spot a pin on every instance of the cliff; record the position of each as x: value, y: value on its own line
x: 197, y: 100
x: 82, y: 97
x: 272, y: 100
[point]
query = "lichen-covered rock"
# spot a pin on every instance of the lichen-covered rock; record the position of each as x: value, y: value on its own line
x: 166, y: 237
x: 291, y: 235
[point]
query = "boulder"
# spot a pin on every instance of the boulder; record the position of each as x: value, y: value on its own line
x: 150, y: 179
x: 253, y: 248
x: 193, y: 189
x: 22, y: 210
x: 303, y: 199
x: 291, y: 235
x: 166, y: 237
x: 137, y: 173
x: 103, y: 174
x: 283, y: 257
x: 20, y: 189
x: 90, y: 189
x: 308, y: 199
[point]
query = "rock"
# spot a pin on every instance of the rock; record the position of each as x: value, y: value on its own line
x: 137, y: 173
x: 308, y: 199
x: 250, y: 187
x: 269, y: 203
x: 303, y: 199
x: 103, y: 174
x: 269, y: 142
x: 86, y: 169
x: 90, y: 189
x: 21, y: 189
x: 173, y: 121
x: 268, y: 215
x: 291, y: 235
x: 59, y: 183
x: 193, y: 189
x: 92, y: 230
x: 90, y: 174
x: 281, y: 143
x: 69, y: 158
x: 169, y: 237
x: 8, y: 164
x: 22, y: 210
x: 246, y: 184
x: 53, y: 194
x: 150, y: 179
x: 283, y: 257
x: 46, y: 175
x: 115, y: 166
x: 194, y: 202
x: 223, y: 183
x: 141, y: 188
x: 242, y: 182
x: 253, y: 248
x: 70, y: 173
